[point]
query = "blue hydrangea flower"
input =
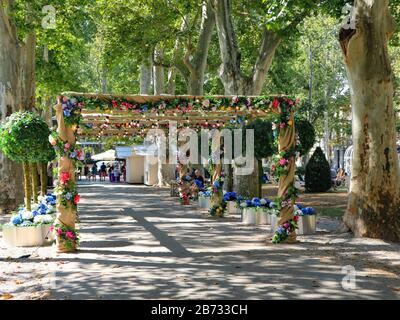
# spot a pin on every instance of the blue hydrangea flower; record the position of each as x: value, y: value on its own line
x: 16, y: 220
x: 281, y: 230
x: 67, y: 113
x: 248, y: 203
x: 216, y: 184
x: 36, y: 213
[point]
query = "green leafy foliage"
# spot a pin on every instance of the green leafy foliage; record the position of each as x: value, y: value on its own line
x: 306, y: 134
x: 263, y: 138
x: 24, y: 137
x: 318, y: 174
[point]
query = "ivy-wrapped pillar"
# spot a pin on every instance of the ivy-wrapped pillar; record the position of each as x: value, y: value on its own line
x: 64, y: 226
x: 286, y: 191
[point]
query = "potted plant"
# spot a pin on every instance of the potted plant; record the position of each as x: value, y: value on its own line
x: 31, y: 228
x: 255, y: 211
x: 231, y: 200
x: 305, y: 218
x: 307, y: 223
x: 205, y: 200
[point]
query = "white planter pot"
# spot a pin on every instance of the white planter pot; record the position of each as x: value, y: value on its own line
x: 274, y: 223
x: 27, y: 236
x: 231, y: 208
x: 263, y: 217
x: 205, y: 203
x: 307, y: 225
x: 249, y: 216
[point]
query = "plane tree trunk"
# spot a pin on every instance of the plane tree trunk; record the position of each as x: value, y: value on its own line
x: 374, y: 199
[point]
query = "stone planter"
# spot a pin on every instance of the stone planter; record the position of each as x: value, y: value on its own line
x: 249, y: 216
x: 231, y: 208
x: 263, y: 217
x: 205, y: 203
x: 307, y: 224
x: 27, y: 236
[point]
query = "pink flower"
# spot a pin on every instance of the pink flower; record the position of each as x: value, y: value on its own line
x: 70, y: 234
x: 59, y: 231
x: 67, y: 145
x: 286, y: 225
x: 282, y: 161
x: 273, y: 167
x: 51, y: 228
x: 282, y: 125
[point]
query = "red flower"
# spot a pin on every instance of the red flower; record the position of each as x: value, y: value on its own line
x: 77, y: 198
x: 114, y: 103
x: 275, y: 103
x: 273, y: 167
x: 296, y: 218
x: 64, y: 177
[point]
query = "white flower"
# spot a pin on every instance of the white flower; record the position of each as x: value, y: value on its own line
x: 35, y: 206
x: 263, y: 201
x: 296, y: 208
x: 243, y: 204
x: 27, y: 215
x: 41, y: 199
x: 206, y: 103
x: 272, y: 205
x: 43, y: 218
x: 50, y: 209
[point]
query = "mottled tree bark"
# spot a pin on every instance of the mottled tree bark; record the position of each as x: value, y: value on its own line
x: 374, y: 199
x: 11, y: 193
x: 231, y: 73
x: 145, y: 76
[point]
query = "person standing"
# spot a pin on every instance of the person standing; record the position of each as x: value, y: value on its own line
x: 111, y: 173
x: 103, y: 172
x: 123, y: 171
x: 116, y: 174
x: 94, y: 172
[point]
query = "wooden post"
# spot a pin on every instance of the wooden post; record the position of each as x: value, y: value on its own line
x: 287, y: 142
x: 65, y: 216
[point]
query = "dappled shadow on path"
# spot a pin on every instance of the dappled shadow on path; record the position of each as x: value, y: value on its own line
x: 138, y: 243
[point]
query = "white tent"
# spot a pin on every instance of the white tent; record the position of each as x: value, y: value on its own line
x: 108, y: 155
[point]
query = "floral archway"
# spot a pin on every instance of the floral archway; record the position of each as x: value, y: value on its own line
x: 81, y: 114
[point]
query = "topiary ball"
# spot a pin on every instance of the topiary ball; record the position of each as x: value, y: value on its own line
x: 24, y: 137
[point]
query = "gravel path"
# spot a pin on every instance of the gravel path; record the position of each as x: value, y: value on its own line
x: 138, y: 243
